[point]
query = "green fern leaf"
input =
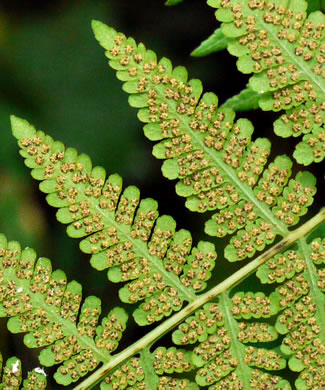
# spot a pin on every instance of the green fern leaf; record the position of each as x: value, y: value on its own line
x: 226, y: 338
x: 43, y: 305
x: 123, y: 234
x: 230, y: 336
x: 216, y: 42
x: 300, y: 293
x: 12, y: 376
x: 284, y: 48
x: 217, y: 165
x: 246, y: 100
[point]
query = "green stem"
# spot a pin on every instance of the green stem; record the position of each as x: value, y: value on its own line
x: 173, y: 321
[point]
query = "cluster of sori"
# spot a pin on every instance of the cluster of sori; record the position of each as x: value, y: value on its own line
x: 43, y: 305
x: 285, y: 49
x: 248, y: 305
x: 132, y: 375
x: 281, y: 267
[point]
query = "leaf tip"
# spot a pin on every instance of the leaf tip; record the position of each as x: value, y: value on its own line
x: 96, y: 25
x: 21, y: 128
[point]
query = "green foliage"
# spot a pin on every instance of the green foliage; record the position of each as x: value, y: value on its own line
x: 242, y: 333
x: 216, y: 42
x: 217, y: 164
x: 284, y: 47
x: 300, y: 277
x: 123, y: 234
x: 11, y: 378
x: 221, y: 335
x: 40, y: 303
x: 148, y: 371
x: 246, y: 100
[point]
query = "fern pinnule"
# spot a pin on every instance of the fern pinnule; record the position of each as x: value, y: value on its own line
x: 149, y: 369
x: 217, y: 164
x: 300, y: 293
x: 123, y: 234
x: 284, y: 48
x: 11, y: 378
x: 43, y: 305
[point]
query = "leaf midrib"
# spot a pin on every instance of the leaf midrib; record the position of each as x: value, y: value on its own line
x: 155, y: 262
x: 236, y: 347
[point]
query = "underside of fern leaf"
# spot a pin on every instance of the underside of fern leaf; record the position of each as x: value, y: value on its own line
x: 219, y: 349
x: 284, y: 48
x: 43, y: 305
x: 217, y: 164
x: 300, y: 277
x: 225, y: 344
x: 227, y: 335
x: 233, y: 341
x: 11, y: 378
x: 123, y: 234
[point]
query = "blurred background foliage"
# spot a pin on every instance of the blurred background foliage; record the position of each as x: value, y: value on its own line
x: 54, y: 74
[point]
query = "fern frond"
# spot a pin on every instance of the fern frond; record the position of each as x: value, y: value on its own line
x: 217, y: 165
x: 123, y: 234
x: 284, y: 48
x: 300, y: 274
x: 11, y: 378
x: 43, y: 305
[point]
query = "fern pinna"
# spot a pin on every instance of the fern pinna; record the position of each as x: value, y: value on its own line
x: 224, y: 338
x: 217, y: 164
x: 124, y: 235
x: 285, y: 49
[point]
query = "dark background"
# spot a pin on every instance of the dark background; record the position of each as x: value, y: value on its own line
x: 54, y: 74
